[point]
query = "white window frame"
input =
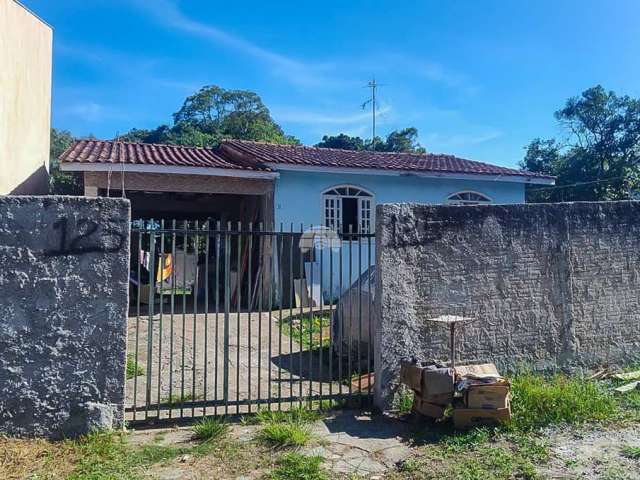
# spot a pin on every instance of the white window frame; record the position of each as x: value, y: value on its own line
x: 486, y: 199
x: 332, y: 207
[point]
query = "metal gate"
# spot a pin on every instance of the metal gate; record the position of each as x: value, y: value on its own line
x: 225, y: 319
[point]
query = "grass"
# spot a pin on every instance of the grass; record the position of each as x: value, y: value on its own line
x: 308, y: 331
x: 173, y: 400
x: 133, y: 368
x: 539, y: 401
x: 286, y: 428
x: 295, y: 466
x: 631, y: 452
x: 211, y: 428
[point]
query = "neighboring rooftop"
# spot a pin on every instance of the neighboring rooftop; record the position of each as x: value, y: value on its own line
x: 127, y: 153
x: 266, y: 157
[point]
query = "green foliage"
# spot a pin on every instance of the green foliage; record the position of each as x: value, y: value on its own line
x: 285, y: 434
x: 403, y: 400
x: 631, y: 452
x: 405, y: 140
x: 295, y: 466
x: 133, y: 368
x: 286, y: 428
x: 62, y: 183
x: 299, y: 414
x: 342, y: 142
x: 211, y: 428
x: 213, y: 114
x: 307, y: 331
x: 601, y: 152
x: 539, y: 401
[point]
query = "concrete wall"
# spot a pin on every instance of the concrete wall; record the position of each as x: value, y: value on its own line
x: 25, y: 100
x: 63, y: 305
x: 554, y: 285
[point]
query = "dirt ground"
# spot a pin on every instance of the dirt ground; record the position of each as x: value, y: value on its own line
x: 359, y: 446
x: 592, y: 452
x: 188, y: 358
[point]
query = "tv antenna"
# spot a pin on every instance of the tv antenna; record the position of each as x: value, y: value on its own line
x: 373, y: 85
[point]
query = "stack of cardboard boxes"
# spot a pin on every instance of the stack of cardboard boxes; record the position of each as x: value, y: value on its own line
x: 477, y: 393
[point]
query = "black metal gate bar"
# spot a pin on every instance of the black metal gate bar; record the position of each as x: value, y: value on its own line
x: 249, y: 273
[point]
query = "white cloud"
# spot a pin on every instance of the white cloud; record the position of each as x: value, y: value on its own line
x: 294, y: 115
x: 295, y: 72
x: 87, y: 111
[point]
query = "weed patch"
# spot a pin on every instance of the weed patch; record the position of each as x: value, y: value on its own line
x: 403, y: 400
x: 134, y: 369
x: 309, y: 332
x: 210, y: 429
x: 631, y: 452
x: 285, y: 434
x: 294, y: 466
x: 539, y: 401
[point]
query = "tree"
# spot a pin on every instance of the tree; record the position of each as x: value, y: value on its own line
x: 600, y: 157
x: 342, y: 141
x: 405, y: 140
x: 213, y: 114
x: 62, y: 183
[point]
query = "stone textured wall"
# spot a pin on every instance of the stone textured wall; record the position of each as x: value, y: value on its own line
x: 551, y: 285
x: 64, y: 264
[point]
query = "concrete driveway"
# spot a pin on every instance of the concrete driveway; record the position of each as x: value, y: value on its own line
x: 188, y: 357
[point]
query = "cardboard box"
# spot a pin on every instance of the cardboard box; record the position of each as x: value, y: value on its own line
x: 474, y: 417
x: 427, y: 409
x: 488, y: 369
x: 438, y: 382
x: 411, y: 375
x: 487, y: 396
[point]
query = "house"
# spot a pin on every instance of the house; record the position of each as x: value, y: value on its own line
x: 285, y: 184
x: 25, y: 100
x: 293, y: 188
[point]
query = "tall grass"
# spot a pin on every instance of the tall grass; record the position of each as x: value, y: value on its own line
x: 539, y: 401
x: 294, y: 466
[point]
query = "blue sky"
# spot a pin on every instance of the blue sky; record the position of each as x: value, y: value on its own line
x: 479, y: 79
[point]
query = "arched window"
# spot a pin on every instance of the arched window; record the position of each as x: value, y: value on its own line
x: 347, y: 208
x: 467, y: 198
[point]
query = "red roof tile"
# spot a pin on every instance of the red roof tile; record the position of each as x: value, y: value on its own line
x: 330, y: 157
x: 118, y: 153
x: 255, y: 156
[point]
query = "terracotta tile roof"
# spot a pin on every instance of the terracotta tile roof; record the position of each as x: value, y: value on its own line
x: 256, y: 156
x: 330, y: 157
x: 117, y: 153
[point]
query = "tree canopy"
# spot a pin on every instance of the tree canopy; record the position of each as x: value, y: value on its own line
x: 213, y: 114
x: 62, y: 183
x: 405, y: 140
x: 599, y: 158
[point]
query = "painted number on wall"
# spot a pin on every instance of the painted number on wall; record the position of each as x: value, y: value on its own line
x: 85, y: 236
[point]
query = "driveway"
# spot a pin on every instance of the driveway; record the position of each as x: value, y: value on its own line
x: 188, y: 358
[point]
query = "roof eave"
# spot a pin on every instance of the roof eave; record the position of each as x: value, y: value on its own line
x: 487, y: 177
x: 166, y: 169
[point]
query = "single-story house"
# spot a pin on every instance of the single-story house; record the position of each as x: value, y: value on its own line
x: 253, y: 181
x: 286, y: 185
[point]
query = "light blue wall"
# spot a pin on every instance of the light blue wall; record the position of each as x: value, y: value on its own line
x: 298, y: 196
x: 298, y: 199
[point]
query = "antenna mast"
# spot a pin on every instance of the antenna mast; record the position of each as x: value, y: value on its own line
x: 373, y: 85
